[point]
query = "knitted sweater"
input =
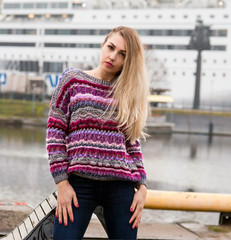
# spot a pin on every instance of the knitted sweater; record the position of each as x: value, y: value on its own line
x: 81, y: 141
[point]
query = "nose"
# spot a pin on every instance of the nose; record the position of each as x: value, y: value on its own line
x: 113, y: 55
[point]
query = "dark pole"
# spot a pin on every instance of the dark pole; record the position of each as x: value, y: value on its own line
x: 199, y: 41
x: 196, y: 102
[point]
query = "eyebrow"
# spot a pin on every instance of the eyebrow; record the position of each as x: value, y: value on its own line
x: 115, y: 47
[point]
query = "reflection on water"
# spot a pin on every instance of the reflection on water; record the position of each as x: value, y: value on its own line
x: 188, y: 163
x: 177, y: 162
x: 24, y: 174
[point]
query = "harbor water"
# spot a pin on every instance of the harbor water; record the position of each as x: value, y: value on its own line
x: 177, y: 162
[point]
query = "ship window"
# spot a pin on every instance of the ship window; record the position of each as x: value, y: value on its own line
x: 25, y: 31
x: 95, y: 45
x: 30, y: 31
x: 135, y: 16
x: 103, y: 32
x: 123, y: 16
x: 58, y: 45
x: 73, y: 45
x: 9, y: 65
x: 11, y: 5
x: 218, y: 33
x: 49, y: 31
x: 52, y: 66
x: 218, y: 48
x: 211, y: 16
x: 15, y: 44
x: 41, y: 5
x: 4, y: 31
x: 224, y: 75
x: 19, y: 31
x: 159, y: 16
x: 185, y: 16
x: 226, y: 16
x: 63, y: 31
x: 108, y: 16
x: 143, y: 32
x: 77, y: 5
x: 172, y: 16
x: 83, y: 32
x: 29, y: 66
x: 73, y: 31
x: 59, y: 5
x: 28, y: 5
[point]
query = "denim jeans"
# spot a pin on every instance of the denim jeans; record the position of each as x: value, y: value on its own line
x: 114, y: 196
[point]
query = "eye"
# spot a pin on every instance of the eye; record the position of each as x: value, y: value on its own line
x: 122, y: 54
x: 110, y: 47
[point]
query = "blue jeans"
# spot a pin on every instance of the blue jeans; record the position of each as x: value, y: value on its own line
x: 114, y: 196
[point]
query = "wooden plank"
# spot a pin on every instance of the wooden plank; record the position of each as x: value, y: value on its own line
x: 39, y: 212
x: 28, y: 224
x: 16, y: 234
x: 9, y: 237
x: 34, y: 219
x: 22, y: 230
x: 55, y: 194
x: 52, y: 201
x: 46, y: 207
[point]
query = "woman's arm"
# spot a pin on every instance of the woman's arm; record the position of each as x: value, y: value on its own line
x: 134, y: 150
x: 57, y: 129
x: 66, y: 195
x: 138, y: 205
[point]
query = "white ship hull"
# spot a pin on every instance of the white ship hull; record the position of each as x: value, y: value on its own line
x: 174, y: 67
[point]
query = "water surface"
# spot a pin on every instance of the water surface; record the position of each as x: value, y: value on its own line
x: 176, y: 162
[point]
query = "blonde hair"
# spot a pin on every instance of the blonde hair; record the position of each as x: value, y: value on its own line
x: 131, y: 88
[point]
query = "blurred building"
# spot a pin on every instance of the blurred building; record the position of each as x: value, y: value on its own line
x: 43, y: 38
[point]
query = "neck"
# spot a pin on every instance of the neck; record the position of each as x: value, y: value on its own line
x: 98, y: 73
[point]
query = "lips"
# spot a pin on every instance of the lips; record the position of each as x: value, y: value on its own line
x: 109, y: 64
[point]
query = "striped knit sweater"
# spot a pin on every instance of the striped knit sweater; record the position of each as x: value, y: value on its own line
x: 82, y: 141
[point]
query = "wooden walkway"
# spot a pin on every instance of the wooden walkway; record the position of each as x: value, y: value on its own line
x: 39, y: 224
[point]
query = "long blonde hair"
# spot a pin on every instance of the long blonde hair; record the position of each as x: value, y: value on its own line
x: 131, y: 88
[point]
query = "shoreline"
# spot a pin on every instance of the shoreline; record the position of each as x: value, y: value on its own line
x: 153, y: 128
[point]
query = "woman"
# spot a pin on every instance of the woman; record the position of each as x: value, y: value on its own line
x: 96, y: 118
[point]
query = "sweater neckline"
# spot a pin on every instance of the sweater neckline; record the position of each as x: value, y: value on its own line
x: 96, y: 80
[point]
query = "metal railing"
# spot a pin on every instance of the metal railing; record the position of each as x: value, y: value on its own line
x: 191, y: 201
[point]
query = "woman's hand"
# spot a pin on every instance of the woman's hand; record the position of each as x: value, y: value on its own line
x: 66, y: 195
x: 138, y: 205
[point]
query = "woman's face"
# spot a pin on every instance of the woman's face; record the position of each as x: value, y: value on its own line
x: 113, y: 54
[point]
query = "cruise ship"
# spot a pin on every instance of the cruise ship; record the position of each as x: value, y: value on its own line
x: 40, y: 39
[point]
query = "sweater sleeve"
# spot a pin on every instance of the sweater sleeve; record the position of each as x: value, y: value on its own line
x: 57, y: 129
x: 134, y: 150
